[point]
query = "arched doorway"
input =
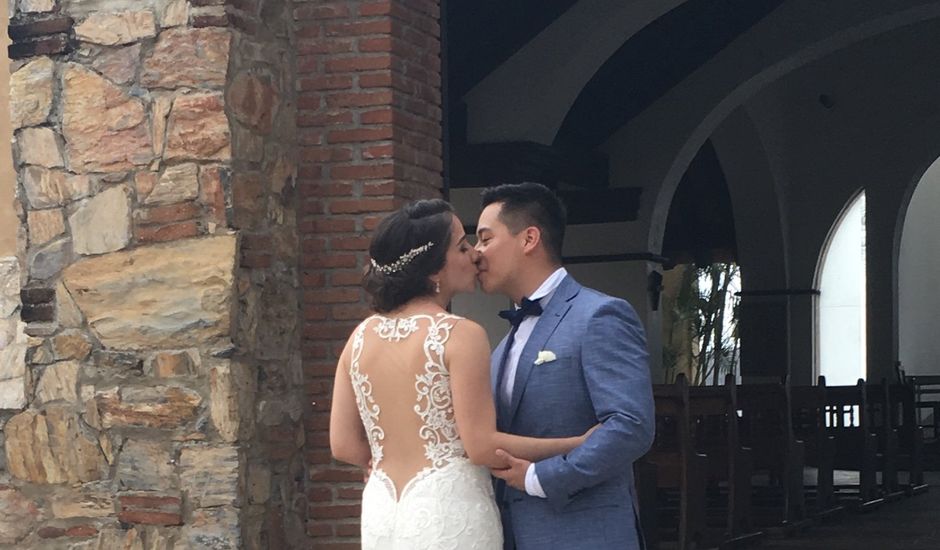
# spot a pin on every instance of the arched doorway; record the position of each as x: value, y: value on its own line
x: 841, y: 338
x: 918, y: 272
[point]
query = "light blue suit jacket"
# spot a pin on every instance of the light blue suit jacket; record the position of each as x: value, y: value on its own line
x: 600, y: 374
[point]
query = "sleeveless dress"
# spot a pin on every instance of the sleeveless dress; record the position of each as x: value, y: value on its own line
x: 448, y: 503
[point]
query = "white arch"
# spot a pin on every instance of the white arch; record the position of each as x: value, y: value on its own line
x: 841, y: 314
x: 680, y: 122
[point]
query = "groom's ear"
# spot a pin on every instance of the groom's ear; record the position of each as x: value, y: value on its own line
x: 532, y: 237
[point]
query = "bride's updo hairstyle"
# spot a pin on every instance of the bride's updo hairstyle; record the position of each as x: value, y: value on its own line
x: 402, y: 258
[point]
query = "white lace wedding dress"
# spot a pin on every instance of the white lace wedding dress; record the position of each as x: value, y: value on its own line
x: 423, y: 492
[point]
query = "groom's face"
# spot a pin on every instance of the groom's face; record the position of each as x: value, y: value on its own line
x: 498, y: 251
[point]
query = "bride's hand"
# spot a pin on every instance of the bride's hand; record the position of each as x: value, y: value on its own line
x: 588, y: 433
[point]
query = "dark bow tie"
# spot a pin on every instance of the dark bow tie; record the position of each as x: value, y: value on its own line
x: 529, y: 308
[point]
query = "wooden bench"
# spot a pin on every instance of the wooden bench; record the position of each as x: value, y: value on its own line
x: 713, y: 412
x: 927, y: 403
x: 671, y: 476
x: 849, y: 421
x: 808, y: 415
x: 910, y: 436
x: 881, y: 423
x: 766, y: 427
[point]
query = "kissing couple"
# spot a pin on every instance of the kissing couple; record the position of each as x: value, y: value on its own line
x: 528, y: 447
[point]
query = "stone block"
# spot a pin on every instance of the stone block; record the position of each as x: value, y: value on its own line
x: 176, y: 184
x: 107, y: 130
x: 188, y: 58
x: 40, y: 147
x: 59, y: 381
x: 49, y: 260
x: 18, y: 515
x: 71, y: 344
x: 31, y: 90
x: 146, y: 466
x: 113, y: 29
x: 102, y: 223
x: 91, y: 500
x: 198, y: 129
x: 52, y: 447
x: 213, y: 529
x: 211, y: 475
x: 165, y: 407
x: 232, y: 390
x: 253, y: 101
x: 48, y: 188
x: 44, y: 225
x: 184, y: 286
x: 168, y: 364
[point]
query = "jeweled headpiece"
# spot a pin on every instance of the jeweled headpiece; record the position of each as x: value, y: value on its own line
x: 402, y: 260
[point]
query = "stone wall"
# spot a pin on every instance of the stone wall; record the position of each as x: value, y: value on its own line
x: 368, y: 116
x: 157, y: 403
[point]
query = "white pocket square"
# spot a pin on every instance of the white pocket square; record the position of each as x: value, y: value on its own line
x: 545, y: 356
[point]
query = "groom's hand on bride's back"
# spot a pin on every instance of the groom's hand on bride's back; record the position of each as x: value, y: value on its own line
x: 514, y: 472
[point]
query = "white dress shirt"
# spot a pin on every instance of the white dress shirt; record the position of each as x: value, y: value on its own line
x: 543, y: 294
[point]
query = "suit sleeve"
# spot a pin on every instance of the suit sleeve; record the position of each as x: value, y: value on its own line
x: 615, y: 364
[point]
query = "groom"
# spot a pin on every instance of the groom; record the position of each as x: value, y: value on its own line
x: 573, y: 358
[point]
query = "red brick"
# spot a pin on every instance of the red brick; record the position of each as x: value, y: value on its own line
x: 50, y: 532
x: 379, y: 116
x: 361, y: 63
x: 169, y: 213
x: 150, y: 518
x: 358, y: 99
x: 383, y: 44
x: 375, y: 80
x: 81, y: 531
x: 331, y: 295
x: 361, y: 135
x: 329, y: 118
x: 360, y: 28
x: 349, y: 243
x: 329, y: 225
x: 363, y: 171
x: 383, y: 188
x: 318, y: 12
x: 361, y: 206
x: 350, y: 312
x: 335, y: 511
x: 343, y: 277
x: 327, y: 82
x: 375, y: 8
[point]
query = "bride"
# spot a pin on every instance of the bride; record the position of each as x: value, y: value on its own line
x: 412, y: 398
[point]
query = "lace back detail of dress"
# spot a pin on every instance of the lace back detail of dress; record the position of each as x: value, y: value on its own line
x: 433, y: 400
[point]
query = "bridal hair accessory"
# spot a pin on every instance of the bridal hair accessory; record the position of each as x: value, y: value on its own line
x: 402, y: 260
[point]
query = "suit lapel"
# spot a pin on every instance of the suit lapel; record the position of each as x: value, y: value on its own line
x: 558, y: 306
x: 494, y: 364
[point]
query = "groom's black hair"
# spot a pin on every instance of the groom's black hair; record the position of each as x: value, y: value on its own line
x: 530, y: 204
x: 410, y: 227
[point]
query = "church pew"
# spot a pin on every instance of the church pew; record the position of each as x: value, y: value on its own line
x: 766, y: 427
x: 910, y: 436
x: 670, y: 477
x: 713, y: 412
x: 848, y: 420
x: 881, y: 423
x: 808, y: 416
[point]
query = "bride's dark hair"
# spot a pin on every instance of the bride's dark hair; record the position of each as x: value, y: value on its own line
x: 396, y: 282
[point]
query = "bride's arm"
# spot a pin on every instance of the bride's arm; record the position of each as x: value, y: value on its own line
x: 348, y: 441
x: 468, y: 360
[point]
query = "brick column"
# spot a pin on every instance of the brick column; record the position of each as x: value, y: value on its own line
x: 368, y: 117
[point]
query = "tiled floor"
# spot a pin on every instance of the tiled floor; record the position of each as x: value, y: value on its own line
x: 907, y: 524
